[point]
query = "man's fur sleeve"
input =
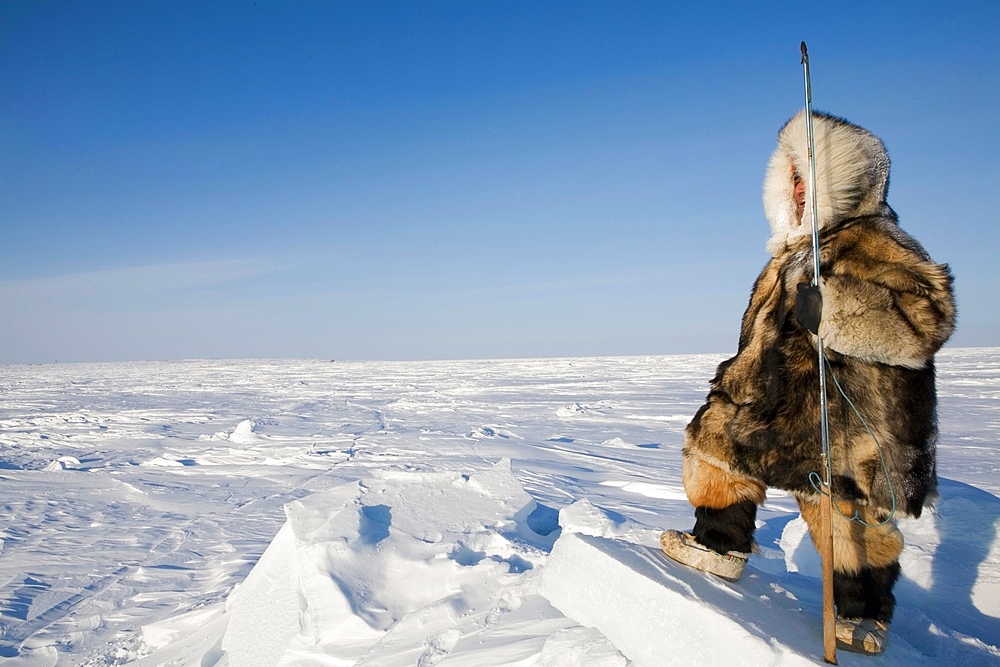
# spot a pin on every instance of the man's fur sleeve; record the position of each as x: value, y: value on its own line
x: 887, y: 305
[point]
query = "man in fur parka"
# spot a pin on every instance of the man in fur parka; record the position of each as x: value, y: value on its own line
x: 882, y: 311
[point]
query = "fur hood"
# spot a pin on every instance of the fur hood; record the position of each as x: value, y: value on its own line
x: 852, y: 177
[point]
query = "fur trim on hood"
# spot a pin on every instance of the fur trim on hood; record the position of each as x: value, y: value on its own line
x: 852, y: 177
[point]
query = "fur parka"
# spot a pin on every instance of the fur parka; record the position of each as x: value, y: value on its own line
x: 887, y: 308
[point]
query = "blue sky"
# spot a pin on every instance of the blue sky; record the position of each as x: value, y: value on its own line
x: 453, y: 180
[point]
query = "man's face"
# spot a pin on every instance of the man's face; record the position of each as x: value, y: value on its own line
x: 800, y: 195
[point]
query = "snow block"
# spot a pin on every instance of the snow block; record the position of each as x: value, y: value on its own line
x: 386, y: 571
x: 631, y: 593
x: 266, y: 612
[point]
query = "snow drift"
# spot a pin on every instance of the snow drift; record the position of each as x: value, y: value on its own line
x: 442, y: 568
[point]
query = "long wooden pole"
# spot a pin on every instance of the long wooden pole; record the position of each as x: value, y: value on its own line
x: 825, y: 543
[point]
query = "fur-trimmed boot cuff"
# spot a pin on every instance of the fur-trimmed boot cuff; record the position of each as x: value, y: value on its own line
x: 685, y: 549
x: 862, y: 635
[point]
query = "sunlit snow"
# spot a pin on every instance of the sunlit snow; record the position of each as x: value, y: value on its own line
x: 476, y: 513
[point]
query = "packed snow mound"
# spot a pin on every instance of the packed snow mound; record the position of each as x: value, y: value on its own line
x: 245, y: 433
x: 64, y: 463
x: 445, y: 568
x: 405, y: 568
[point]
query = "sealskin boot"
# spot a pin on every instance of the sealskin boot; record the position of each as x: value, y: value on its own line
x: 862, y: 635
x: 685, y: 549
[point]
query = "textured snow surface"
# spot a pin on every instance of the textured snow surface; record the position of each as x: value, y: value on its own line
x: 438, y: 513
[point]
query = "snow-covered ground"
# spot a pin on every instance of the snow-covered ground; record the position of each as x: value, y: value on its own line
x: 479, y: 513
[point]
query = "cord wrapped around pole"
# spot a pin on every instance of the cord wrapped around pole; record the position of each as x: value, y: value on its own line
x: 825, y: 542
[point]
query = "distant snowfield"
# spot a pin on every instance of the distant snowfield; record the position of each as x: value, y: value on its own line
x: 319, y: 513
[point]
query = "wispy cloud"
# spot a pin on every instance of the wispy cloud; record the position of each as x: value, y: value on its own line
x: 113, y: 286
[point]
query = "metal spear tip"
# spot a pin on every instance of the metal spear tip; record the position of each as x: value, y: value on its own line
x: 805, y: 55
